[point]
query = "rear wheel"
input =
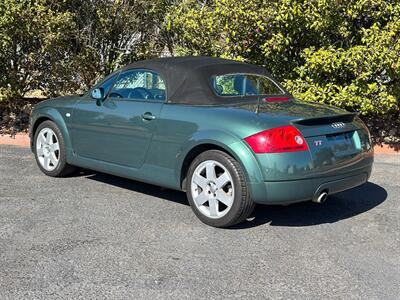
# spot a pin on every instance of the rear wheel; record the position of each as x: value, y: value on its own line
x: 217, y: 189
x: 49, y: 149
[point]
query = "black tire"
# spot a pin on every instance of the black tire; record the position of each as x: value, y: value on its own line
x: 63, y: 168
x: 242, y: 205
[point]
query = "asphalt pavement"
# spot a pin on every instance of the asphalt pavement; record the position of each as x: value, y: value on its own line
x: 95, y: 236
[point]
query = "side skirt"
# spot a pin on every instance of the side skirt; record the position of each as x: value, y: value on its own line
x: 147, y: 173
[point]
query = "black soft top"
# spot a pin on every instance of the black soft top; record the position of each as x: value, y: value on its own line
x: 188, y: 79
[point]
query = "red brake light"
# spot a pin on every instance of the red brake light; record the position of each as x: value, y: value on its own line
x: 276, y: 99
x: 280, y: 139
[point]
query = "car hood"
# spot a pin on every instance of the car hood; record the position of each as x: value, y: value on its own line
x: 63, y: 101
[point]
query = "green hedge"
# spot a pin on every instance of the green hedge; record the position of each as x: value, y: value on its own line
x: 344, y: 53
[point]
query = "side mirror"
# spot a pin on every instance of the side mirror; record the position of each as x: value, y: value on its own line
x: 98, y: 95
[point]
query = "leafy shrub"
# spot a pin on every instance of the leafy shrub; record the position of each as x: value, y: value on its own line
x: 32, y: 42
x: 344, y: 53
x: 363, y: 78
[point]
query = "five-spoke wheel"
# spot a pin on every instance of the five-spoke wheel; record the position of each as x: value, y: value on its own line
x: 212, y: 189
x: 217, y: 189
x: 49, y: 148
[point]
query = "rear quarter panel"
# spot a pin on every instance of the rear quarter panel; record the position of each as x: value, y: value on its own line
x: 180, y: 128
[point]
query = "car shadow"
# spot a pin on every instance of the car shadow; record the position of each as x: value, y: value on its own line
x: 136, y: 186
x: 338, y: 207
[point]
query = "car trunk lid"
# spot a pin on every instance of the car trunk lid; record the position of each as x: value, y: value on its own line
x: 335, y: 142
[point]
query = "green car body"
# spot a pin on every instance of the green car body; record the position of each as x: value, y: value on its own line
x: 114, y: 138
x: 223, y: 131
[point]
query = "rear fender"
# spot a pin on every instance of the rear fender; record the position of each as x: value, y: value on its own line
x: 232, y: 145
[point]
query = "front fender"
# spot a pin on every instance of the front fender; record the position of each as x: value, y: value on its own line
x: 55, y: 116
x: 232, y: 145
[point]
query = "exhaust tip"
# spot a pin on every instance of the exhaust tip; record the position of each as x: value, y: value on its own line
x: 321, y: 198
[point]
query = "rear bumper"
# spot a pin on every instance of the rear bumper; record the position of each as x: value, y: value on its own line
x: 292, y: 191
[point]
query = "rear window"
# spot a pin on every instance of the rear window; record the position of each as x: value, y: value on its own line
x: 244, y: 85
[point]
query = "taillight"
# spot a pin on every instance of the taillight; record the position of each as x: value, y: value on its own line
x: 280, y: 139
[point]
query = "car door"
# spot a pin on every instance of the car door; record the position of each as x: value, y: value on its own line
x: 119, y: 129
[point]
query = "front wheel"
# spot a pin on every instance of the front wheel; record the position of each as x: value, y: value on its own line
x: 49, y: 149
x: 217, y: 189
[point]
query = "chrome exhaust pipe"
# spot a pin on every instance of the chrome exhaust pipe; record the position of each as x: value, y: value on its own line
x: 321, y: 197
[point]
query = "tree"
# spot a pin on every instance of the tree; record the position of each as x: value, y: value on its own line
x: 110, y: 34
x: 30, y: 44
x: 65, y: 46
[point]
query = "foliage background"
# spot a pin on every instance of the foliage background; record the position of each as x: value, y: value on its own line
x: 341, y: 52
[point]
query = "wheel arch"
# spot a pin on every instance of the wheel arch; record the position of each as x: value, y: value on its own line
x: 36, y: 124
x: 237, y: 150
x: 51, y: 114
x: 192, y: 154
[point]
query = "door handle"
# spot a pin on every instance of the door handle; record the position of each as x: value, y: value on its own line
x: 148, y: 116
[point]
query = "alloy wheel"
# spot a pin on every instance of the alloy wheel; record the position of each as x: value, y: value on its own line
x: 47, y: 149
x: 212, y: 189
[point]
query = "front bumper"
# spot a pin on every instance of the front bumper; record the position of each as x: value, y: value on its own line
x: 292, y: 191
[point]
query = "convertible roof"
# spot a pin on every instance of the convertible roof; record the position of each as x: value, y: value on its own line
x: 188, y: 78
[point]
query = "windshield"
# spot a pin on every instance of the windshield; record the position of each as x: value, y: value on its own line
x: 244, y: 85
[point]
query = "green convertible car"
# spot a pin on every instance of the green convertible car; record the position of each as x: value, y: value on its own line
x: 225, y: 132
